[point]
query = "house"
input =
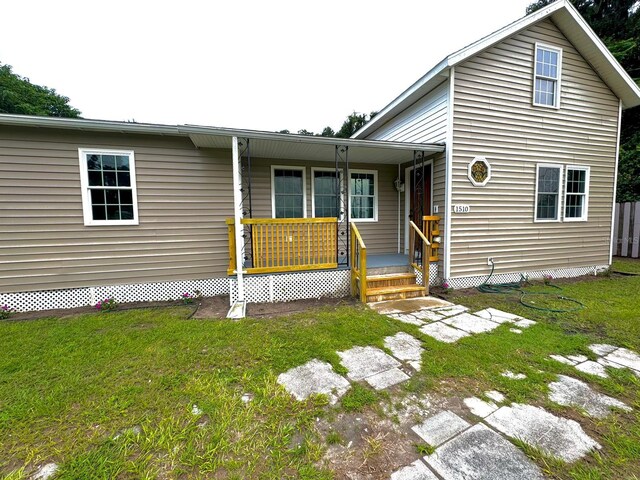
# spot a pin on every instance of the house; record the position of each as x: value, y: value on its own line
x: 502, y: 157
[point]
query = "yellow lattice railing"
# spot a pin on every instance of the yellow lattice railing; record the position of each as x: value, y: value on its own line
x: 287, y: 244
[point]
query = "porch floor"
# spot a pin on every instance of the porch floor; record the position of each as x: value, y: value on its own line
x: 387, y: 260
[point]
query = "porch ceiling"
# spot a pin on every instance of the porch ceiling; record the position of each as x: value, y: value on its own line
x: 300, y: 147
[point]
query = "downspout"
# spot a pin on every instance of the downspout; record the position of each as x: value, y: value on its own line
x: 614, y: 236
x: 399, y: 221
x: 448, y: 179
x: 238, y: 309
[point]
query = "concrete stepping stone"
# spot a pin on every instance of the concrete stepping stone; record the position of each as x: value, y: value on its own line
x: 416, y: 471
x: 450, y: 311
x: 386, y: 379
x: 314, y: 377
x: 565, y: 360
x: 495, y: 396
x: 592, y: 368
x: 479, y: 407
x: 428, y: 315
x: 442, y: 332
x: 572, y: 392
x: 45, y: 472
x: 515, y: 330
x: 497, y: 316
x: 470, y: 323
x: 524, y: 323
x: 555, y: 436
x: 479, y: 453
x: 373, y: 366
x: 439, y: 428
x: 577, y: 358
x: 362, y: 362
x: 406, y: 318
x: 602, y: 349
x: 626, y: 358
x: 404, y: 347
x: 513, y: 376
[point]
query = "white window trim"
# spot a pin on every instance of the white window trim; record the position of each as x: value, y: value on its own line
x: 273, y: 187
x: 585, y: 209
x: 313, y: 188
x: 376, y: 195
x: 559, y: 210
x: 546, y: 46
x: 84, y: 185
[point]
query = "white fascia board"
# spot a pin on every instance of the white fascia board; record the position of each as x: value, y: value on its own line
x: 292, y: 138
x: 88, y: 125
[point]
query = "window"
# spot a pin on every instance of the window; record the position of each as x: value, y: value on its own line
x: 548, y: 192
x: 108, y: 187
x: 288, y: 187
x: 546, y: 78
x: 362, y: 195
x: 575, y: 193
x: 324, y: 193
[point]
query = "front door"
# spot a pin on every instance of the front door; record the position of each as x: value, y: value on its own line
x: 418, y: 186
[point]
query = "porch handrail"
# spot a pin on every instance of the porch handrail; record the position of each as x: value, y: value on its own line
x: 431, y: 228
x: 358, y: 264
x: 423, y: 263
x: 287, y: 244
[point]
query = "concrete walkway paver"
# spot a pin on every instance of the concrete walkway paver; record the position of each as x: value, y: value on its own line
x: 439, y: 428
x: 572, y: 392
x: 479, y: 407
x: 314, y: 377
x: 479, y: 453
x: 443, y: 333
x: 416, y: 471
x: 556, y: 436
x: 470, y: 323
x: 373, y: 366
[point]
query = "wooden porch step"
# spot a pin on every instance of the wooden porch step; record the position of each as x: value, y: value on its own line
x: 390, y: 280
x: 380, y: 294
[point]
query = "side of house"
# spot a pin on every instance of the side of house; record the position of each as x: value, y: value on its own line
x: 532, y: 132
x: 552, y: 159
x: 167, y: 202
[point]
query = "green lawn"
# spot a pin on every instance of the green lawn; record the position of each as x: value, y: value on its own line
x: 111, y: 395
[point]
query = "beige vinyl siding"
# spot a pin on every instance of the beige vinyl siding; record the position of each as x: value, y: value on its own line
x: 184, y: 195
x: 379, y: 237
x: 423, y: 122
x: 494, y: 117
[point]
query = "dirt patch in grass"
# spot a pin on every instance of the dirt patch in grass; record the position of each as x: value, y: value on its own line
x: 281, y: 309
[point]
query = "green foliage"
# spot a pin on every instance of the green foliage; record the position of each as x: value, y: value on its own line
x: 19, y: 95
x: 358, y: 397
x: 617, y: 23
x: 351, y: 125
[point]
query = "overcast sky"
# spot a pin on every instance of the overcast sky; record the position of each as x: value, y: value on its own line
x: 265, y: 65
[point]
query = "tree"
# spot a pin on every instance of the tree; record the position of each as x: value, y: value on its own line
x: 617, y: 23
x: 19, y: 95
x: 350, y: 126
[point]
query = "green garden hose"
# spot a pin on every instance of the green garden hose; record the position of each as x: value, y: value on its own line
x: 509, y: 287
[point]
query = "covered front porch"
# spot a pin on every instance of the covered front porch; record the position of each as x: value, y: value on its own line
x: 307, y: 204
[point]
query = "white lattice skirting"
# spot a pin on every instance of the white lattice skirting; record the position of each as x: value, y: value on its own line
x: 467, y: 282
x: 284, y: 287
x: 140, y: 292
x: 433, y: 275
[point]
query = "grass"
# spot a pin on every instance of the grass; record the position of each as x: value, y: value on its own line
x: 113, y: 395
x: 626, y: 265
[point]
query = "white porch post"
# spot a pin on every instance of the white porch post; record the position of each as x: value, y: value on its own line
x: 238, y: 309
